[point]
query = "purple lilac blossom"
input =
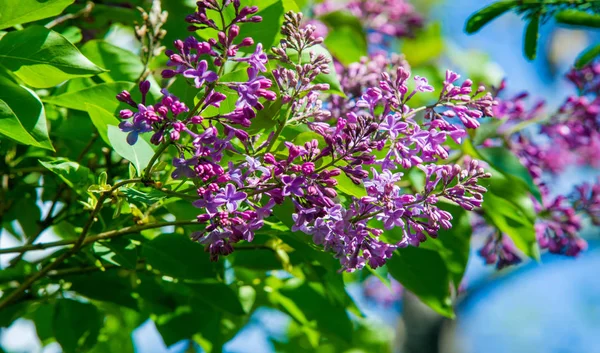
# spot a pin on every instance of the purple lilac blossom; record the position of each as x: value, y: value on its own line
x: 372, y: 143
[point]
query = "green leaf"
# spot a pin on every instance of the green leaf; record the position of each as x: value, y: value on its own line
x: 28, y: 215
x: 331, y: 318
x: 22, y: 115
x: 182, y: 209
x: 578, y: 18
x: 102, y: 95
x: 76, y: 325
x: 159, y: 296
x: 11, y: 127
x: 73, y: 34
x: 425, y: 273
x: 21, y: 270
x: 307, y: 136
x: 346, y: 39
x: 284, y: 211
x: 266, y: 118
x: 587, y: 56
x: 43, y: 58
x: 503, y: 161
x: 119, y: 325
x: 145, y: 197
x: 12, y: 313
x: 480, y: 18
x: 226, y: 106
x: 139, y: 154
x: 453, y: 244
x: 118, y: 251
x: 427, y: 45
x: 506, y: 162
x: 122, y: 64
x: 101, y: 119
x: 531, y: 37
x: 260, y: 260
x: 218, y: 295
x: 181, y: 324
x: 247, y: 295
x: 108, y: 286
x: 74, y: 175
x: 29, y: 10
x: 42, y: 316
x: 512, y: 190
x: 511, y: 221
x: 178, y: 256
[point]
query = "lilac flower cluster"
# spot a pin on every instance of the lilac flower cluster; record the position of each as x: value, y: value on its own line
x: 374, y: 290
x: 354, y: 140
x: 572, y: 134
x: 383, y: 19
x: 499, y: 250
x: 369, y: 142
x: 557, y: 230
x: 357, y: 77
x: 587, y: 200
x: 162, y: 117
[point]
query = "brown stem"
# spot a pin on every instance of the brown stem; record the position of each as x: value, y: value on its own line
x: 89, y: 6
x: 95, y: 238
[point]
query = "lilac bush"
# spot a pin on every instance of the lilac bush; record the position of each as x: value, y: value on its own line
x: 197, y: 165
x: 371, y: 142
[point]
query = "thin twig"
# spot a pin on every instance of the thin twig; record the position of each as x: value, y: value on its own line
x: 95, y: 238
x: 77, y: 245
x: 89, y: 6
x: 50, y: 219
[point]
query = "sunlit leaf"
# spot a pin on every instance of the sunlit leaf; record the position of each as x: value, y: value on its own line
x: 578, y: 18
x: 587, y: 56
x: 425, y: 273
x: 101, y: 95
x: 482, y: 17
x: 22, y: 115
x: 43, y: 58
x: 532, y: 35
x: 139, y: 154
x: 29, y: 11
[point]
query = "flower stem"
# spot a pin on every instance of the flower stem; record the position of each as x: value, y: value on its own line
x: 146, y: 177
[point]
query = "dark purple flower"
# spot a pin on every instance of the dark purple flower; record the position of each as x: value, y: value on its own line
x: 370, y: 98
x: 230, y: 198
x: 201, y: 74
x: 500, y: 251
x: 134, y: 128
x: 258, y: 59
x: 251, y: 91
x: 292, y: 185
x: 183, y: 167
x: 394, y: 124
